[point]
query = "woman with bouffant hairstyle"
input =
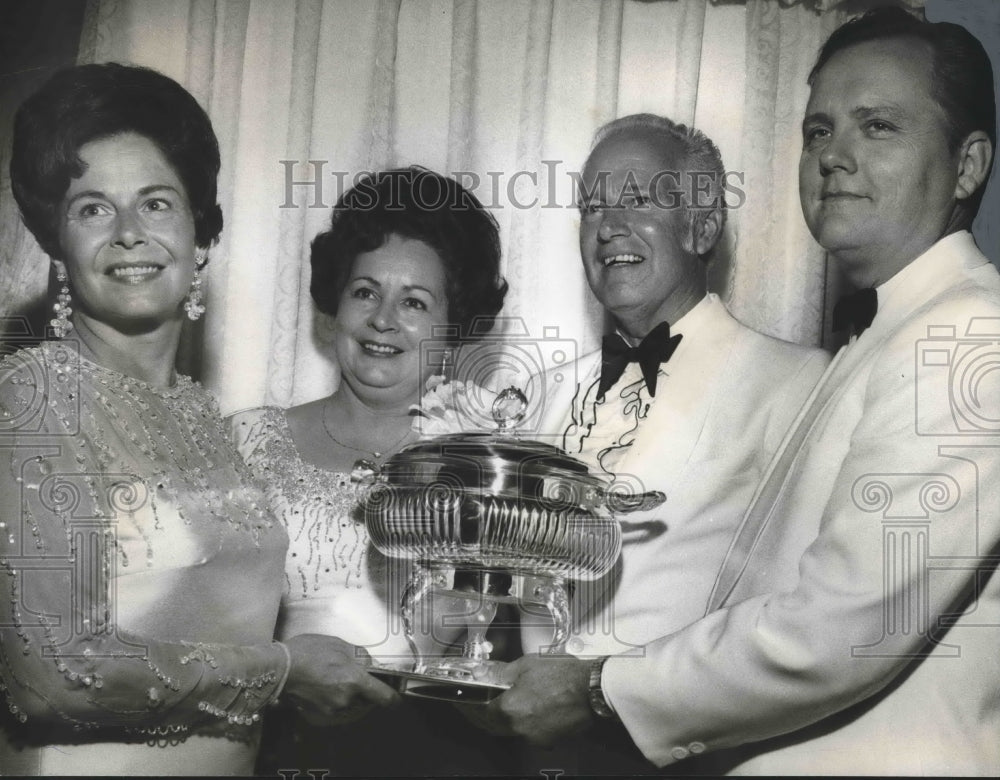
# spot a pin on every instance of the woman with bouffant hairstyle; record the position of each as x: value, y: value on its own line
x: 140, y: 573
x: 410, y: 256
x: 418, y: 204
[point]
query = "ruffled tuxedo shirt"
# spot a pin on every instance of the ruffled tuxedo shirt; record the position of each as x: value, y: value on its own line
x: 723, y: 403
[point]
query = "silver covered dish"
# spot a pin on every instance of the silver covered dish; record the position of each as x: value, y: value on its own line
x: 496, y: 502
x: 489, y: 518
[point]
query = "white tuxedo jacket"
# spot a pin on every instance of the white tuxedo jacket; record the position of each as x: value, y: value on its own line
x: 723, y: 403
x: 856, y: 622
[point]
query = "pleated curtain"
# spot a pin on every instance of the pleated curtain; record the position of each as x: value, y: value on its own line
x: 504, y: 94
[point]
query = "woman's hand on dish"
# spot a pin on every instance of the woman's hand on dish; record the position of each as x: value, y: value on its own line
x: 329, y: 682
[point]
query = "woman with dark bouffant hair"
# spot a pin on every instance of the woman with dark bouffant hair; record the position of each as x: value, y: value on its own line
x: 410, y: 257
x: 141, y: 574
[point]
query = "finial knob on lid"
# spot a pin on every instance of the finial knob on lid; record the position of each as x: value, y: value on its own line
x: 509, y: 408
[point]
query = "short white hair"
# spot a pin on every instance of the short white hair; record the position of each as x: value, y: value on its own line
x: 699, y: 153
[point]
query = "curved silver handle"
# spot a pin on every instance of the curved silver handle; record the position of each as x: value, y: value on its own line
x: 624, y: 503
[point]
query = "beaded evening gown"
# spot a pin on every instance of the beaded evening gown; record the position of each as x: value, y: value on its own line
x: 337, y: 583
x: 141, y: 576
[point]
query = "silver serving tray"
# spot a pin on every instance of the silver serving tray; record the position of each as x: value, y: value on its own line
x: 400, y: 675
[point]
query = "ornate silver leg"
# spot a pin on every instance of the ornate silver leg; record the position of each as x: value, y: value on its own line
x: 553, y: 595
x: 476, y: 647
x: 420, y: 584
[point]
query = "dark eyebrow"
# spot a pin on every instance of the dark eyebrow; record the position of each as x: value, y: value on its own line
x: 102, y: 196
x: 85, y: 194
x: 411, y: 287
x: 889, y: 112
x: 893, y: 113
x: 407, y: 288
x: 818, y: 116
x: 155, y: 187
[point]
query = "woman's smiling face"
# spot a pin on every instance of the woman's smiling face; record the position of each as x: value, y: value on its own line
x: 127, y: 234
x: 394, y: 298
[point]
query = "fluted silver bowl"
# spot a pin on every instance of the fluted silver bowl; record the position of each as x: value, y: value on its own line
x: 489, y: 501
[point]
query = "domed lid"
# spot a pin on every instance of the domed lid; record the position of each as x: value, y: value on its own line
x: 500, y: 465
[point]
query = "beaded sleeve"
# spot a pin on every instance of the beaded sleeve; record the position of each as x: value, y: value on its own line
x: 64, y: 658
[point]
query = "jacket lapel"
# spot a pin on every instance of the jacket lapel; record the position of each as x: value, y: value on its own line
x: 762, y: 504
x: 670, y: 434
x: 937, y: 270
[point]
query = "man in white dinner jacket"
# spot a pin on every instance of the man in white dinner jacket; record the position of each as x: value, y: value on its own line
x: 700, y: 427
x: 704, y: 427
x: 855, y: 624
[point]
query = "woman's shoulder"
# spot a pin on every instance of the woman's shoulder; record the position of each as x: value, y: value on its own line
x: 267, y: 415
x: 258, y: 431
x: 38, y: 386
x: 265, y: 436
x: 41, y: 358
x: 309, y: 413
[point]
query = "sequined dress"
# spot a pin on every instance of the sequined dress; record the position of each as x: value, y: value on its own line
x: 140, y: 581
x: 337, y: 583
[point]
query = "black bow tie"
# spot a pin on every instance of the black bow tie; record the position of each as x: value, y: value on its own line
x: 856, y: 310
x: 655, y: 349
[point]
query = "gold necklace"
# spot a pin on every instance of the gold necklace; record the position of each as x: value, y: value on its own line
x: 377, y: 456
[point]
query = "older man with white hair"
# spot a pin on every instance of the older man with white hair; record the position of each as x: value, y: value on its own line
x: 682, y: 398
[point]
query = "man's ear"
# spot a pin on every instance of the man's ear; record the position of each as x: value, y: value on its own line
x: 705, y: 233
x: 974, y: 158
